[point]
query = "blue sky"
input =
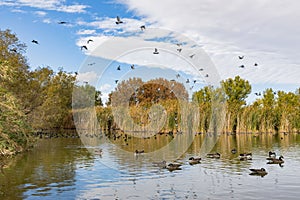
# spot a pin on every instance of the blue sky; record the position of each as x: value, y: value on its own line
x: 265, y: 32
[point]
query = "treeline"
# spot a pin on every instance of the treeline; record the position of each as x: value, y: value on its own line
x: 31, y: 100
x: 273, y: 111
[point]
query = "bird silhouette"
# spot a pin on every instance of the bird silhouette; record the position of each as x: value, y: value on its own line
x: 83, y: 47
x: 241, y: 57
x: 206, y: 75
x: 132, y: 66
x: 119, y: 20
x: 143, y: 27
x: 191, y: 56
x: 116, y: 81
x: 155, y: 51
x: 195, y: 81
x: 14, y: 50
x: 177, y: 75
x: 90, y: 40
x: 179, y: 50
x: 242, y: 66
x: 35, y: 42
x: 62, y: 22
x: 255, y: 64
x: 187, y: 80
x: 257, y: 93
x: 90, y: 64
x: 119, y: 67
x: 201, y: 69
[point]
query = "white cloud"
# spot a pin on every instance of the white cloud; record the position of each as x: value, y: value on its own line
x: 106, y: 87
x: 86, y: 32
x: 47, y: 21
x: 40, y: 13
x: 108, y: 25
x: 267, y: 32
x: 90, y: 77
x: 57, y: 5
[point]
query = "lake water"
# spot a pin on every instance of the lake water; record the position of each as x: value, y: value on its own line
x: 63, y: 168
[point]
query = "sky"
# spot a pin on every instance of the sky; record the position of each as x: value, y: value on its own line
x: 265, y: 32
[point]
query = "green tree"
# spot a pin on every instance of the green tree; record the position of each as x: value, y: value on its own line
x: 237, y: 90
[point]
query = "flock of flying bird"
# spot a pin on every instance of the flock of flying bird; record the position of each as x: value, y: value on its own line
x: 155, y: 52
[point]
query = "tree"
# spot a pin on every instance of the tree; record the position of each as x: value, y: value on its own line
x: 237, y: 90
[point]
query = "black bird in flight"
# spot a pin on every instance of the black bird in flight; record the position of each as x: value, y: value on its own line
x: 201, y: 69
x: 155, y: 51
x: 35, y: 42
x: 257, y: 94
x: 116, y: 81
x: 62, y: 22
x: 177, y: 75
x: 119, y: 67
x: 241, y: 57
x: 84, y: 47
x: 206, y: 75
x: 132, y: 66
x: 242, y: 66
x: 187, y: 80
x: 179, y: 50
x: 195, y: 81
x: 255, y: 64
x: 90, y: 40
x: 119, y: 20
x: 143, y: 27
x: 191, y: 56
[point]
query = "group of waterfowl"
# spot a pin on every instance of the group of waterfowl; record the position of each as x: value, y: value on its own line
x: 243, y: 156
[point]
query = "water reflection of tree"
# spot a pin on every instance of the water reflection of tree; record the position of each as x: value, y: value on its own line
x: 50, y: 163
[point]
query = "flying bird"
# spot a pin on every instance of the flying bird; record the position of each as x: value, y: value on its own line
x: 201, y: 69
x: 14, y: 50
x: 257, y: 94
x: 35, y: 42
x: 155, y: 51
x: 177, y: 75
x: 90, y: 40
x: 241, y: 57
x: 119, y: 67
x: 119, y: 20
x: 179, y: 50
x: 206, y: 75
x: 195, y: 81
x: 62, y: 22
x: 116, y: 81
x: 84, y: 47
x: 191, y: 56
x: 255, y: 64
x: 90, y: 64
x: 242, y: 66
x: 143, y: 27
x: 187, y: 80
x: 132, y: 66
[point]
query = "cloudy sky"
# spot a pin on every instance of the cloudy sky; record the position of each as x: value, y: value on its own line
x: 266, y: 32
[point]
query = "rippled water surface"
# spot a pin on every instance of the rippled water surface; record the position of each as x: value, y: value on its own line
x: 67, y: 169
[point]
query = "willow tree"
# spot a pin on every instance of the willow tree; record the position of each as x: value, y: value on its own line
x: 269, y: 118
x: 236, y: 90
x: 204, y: 101
x: 288, y: 109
